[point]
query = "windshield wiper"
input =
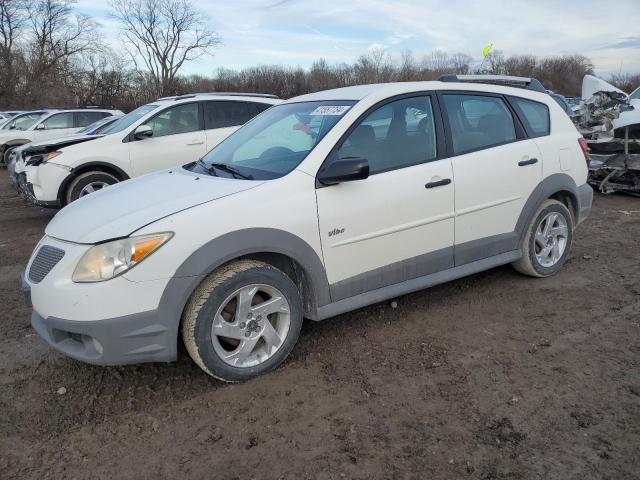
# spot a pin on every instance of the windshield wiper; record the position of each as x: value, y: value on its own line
x: 229, y: 169
x: 206, y: 167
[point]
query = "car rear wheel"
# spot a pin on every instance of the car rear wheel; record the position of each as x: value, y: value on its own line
x: 548, y: 241
x: 242, y: 321
x: 87, y: 183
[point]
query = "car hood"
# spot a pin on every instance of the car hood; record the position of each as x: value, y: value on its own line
x: 60, y: 142
x: 121, y: 209
x: 628, y: 117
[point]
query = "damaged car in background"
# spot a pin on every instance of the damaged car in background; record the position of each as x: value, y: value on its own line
x: 34, y: 153
x: 609, y: 120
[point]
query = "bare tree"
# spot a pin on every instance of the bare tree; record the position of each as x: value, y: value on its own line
x: 12, y: 21
x: 163, y: 35
x: 57, y: 35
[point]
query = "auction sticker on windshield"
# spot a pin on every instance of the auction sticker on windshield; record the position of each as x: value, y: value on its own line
x: 330, y: 110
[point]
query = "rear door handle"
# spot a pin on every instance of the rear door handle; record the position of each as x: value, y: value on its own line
x: 439, y: 183
x: 524, y: 163
x: 196, y: 143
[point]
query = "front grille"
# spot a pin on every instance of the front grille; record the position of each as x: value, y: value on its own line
x: 46, y: 258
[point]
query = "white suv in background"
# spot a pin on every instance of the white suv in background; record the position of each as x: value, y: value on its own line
x: 323, y: 204
x: 46, y: 124
x: 167, y: 132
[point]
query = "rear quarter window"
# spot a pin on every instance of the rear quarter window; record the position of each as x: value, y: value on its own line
x: 534, y: 115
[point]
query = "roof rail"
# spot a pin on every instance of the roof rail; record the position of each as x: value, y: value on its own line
x: 506, y: 80
x: 87, y: 107
x: 221, y: 94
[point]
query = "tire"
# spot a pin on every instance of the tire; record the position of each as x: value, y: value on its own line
x: 96, y: 180
x: 250, y: 349
x: 539, y: 255
x: 5, y: 156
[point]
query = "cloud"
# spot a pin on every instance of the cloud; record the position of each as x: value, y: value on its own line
x: 398, y: 38
x: 625, y: 42
x: 296, y: 33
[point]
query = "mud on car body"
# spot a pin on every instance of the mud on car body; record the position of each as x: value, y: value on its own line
x: 320, y: 205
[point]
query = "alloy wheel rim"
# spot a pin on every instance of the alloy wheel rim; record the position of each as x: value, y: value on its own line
x: 250, y: 325
x: 93, y: 187
x: 551, y: 239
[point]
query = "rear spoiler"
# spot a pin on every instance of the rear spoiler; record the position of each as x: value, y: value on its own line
x: 504, y: 80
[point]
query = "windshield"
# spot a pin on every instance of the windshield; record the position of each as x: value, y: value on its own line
x: 274, y: 142
x: 98, y: 126
x: 24, y: 121
x: 129, y: 119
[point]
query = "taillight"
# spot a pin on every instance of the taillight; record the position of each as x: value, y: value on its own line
x: 584, y: 146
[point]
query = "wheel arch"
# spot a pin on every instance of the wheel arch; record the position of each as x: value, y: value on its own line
x: 288, y: 252
x: 559, y: 186
x: 18, y: 142
x: 570, y: 200
x: 292, y: 269
x: 111, y: 169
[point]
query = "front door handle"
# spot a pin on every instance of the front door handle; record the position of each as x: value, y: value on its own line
x: 439, y: 183
x: 524, y: 163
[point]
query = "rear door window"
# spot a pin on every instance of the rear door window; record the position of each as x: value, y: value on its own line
x: 84, y: 119
x: 222, y: 114
x: 535, y: 116
x: 478, y: 121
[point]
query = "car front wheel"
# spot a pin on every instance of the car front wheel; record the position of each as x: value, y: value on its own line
x: 548, y: 240
x: 242, y: 321
x: 87, y: 183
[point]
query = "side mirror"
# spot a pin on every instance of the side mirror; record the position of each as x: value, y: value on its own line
x: 12, y: 126
x: 343, y: 170
x: 142, y: 132
x: 41, y: 126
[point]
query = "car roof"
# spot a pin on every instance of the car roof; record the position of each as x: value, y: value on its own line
x: 382, y: 90
x: 221, y: 96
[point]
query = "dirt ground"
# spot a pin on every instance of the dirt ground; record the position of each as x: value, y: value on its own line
x: 496, y: 376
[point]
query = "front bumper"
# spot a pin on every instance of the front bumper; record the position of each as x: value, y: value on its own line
x: 137, y: 338
x: 40, y: 184
x: 25, y: 188
x: 26, y: 290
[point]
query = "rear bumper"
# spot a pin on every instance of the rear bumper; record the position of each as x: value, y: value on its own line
x: 125, y: 340
x: 585, y: 201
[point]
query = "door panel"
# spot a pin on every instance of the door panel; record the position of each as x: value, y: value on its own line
x: 398, y: 224
x: 156, y: 153
x: 387, y: 221
x: 48, y: 134
x: 57, y: 125
x: 495, y: 170
x: 178, y: 138
x: 492, y: 188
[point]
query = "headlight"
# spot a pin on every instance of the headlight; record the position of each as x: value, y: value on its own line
x: 108, y: 260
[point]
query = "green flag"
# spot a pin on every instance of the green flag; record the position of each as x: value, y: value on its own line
x: 487, y: 50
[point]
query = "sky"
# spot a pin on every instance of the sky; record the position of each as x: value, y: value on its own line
x: 297, y: 32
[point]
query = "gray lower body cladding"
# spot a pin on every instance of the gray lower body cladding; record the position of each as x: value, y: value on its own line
x: 115, y: 341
